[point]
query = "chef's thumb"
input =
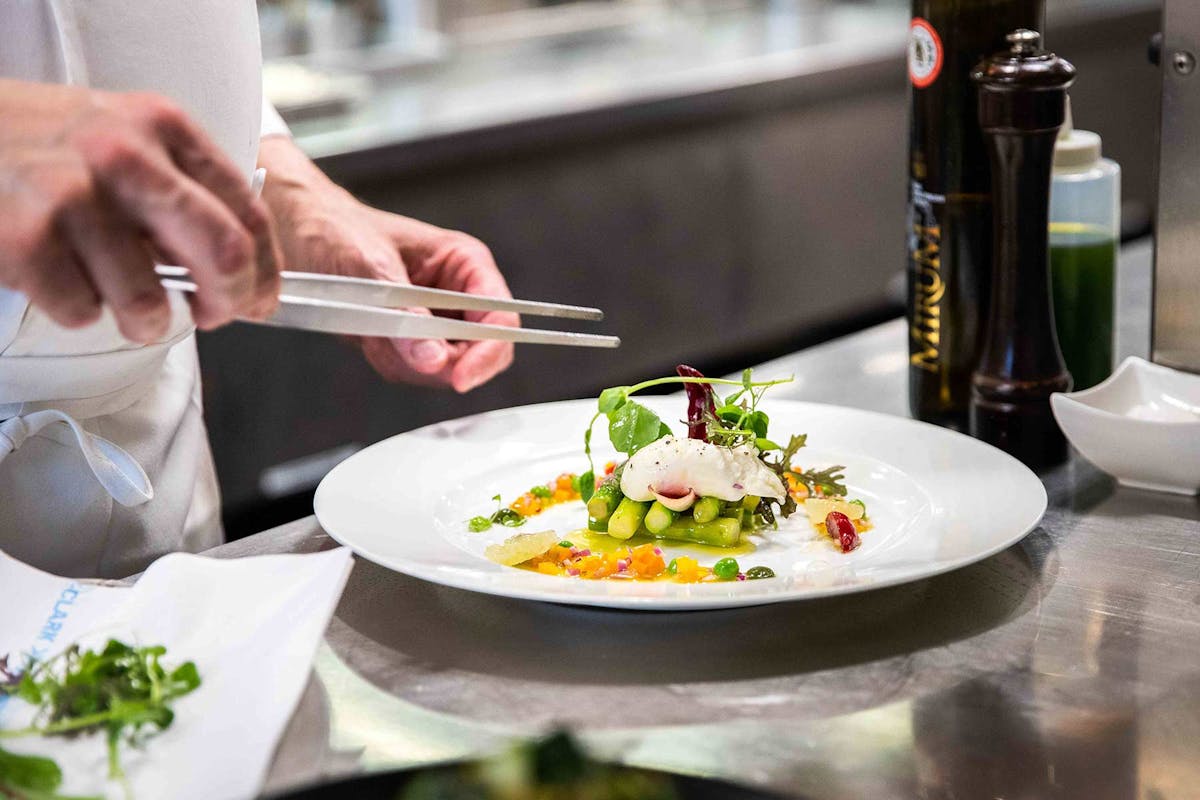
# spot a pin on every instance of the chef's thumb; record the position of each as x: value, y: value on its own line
x: 426, y: 356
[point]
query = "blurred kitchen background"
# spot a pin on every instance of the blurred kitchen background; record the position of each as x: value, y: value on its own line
x: 725, y: 178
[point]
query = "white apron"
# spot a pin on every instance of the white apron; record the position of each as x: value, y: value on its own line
x: 104, y: 459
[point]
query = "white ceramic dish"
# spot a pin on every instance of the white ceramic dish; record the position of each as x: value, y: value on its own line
x: 1142, y: 426
x: 939, y: 500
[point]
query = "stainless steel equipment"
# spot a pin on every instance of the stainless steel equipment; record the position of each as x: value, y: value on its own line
x: 1176, y: 338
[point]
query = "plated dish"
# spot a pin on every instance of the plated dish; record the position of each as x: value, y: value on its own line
x: 934, y: 500
x: 722, y: 485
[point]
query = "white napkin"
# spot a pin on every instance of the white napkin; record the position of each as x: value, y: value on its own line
x: 251, y: 625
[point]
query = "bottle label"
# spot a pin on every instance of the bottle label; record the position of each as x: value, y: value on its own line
x: 928, y: 287
x: 925, y: 54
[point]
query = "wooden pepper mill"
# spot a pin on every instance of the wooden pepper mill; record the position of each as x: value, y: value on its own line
x: 1022, y: 105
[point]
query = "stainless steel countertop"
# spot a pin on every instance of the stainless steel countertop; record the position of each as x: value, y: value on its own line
x: 1065, y: 666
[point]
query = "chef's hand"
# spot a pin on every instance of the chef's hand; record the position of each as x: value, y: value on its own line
x: 92, y: 183
x: 322, y: 228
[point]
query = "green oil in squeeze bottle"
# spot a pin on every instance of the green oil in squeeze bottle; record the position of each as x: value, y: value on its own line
x: 1085, y: 226
x: 949, y: 201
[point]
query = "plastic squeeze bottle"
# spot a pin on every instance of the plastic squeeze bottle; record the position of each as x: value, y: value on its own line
x: 1085, y: 228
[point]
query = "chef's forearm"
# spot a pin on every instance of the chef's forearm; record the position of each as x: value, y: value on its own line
x: 292, y: 177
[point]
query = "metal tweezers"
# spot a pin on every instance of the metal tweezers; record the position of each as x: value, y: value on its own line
x: 364, y: 307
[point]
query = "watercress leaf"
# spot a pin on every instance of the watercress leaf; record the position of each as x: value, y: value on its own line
x: 496, y: 497
x: 633, y: 426
x: 766, y: 444
x: 27, y: 774
x: 733, y: 398
x: 757, y: 421
x: 29, y: 691
x: 587, y: 485
x: 613, y: 398
x: 115, y: 649
x: 731, y: 414
x: 186, y: 676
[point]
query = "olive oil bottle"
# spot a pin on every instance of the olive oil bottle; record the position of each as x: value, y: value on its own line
x: 949, y: 197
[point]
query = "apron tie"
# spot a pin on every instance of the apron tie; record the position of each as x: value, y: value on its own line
x: 117, y: 471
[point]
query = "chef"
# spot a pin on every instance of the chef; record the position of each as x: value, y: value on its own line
x: 129, y: 133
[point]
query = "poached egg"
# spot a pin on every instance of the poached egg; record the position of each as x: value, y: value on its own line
x: 678, y: 468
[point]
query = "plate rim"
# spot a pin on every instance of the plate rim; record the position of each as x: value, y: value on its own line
x: 724, y: 601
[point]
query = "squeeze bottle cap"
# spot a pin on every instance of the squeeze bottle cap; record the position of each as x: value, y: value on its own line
x: 1075, y: 150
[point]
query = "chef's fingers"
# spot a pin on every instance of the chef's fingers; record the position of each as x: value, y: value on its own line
x: 481, y: 361
x: 114, y: 255
x: 184, y: 221
x: 56, y: 283
x: 473, y: 270
x: 410, y: 357
x: 423, y: 356
x: 384, y: 356
x: 36, y: 186
x: 202, y: 160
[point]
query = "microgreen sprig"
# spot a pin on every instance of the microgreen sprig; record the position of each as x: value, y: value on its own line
x: 501, y: 516
x: 123, y: 691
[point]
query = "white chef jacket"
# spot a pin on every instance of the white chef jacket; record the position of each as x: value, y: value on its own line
x: 149, y: 486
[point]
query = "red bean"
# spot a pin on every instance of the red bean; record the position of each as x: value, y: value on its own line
x: 842, y: 530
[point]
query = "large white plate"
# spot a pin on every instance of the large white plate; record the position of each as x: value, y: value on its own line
x: 939, y: 500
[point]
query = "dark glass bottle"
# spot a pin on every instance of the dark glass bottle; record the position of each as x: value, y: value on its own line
x: 949, y: 201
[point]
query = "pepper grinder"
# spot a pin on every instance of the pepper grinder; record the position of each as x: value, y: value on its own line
x: 1022, y: 106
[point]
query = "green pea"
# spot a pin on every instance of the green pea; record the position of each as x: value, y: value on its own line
x: 541, y: 491
x: 673, y: 567
x: 479, y: 524
x: 758, y: 573
x: 726, y: 569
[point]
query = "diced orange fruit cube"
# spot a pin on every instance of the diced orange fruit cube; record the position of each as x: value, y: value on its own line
x: 687, y: 570
x: 646, y: 563
x: 527, y: 505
